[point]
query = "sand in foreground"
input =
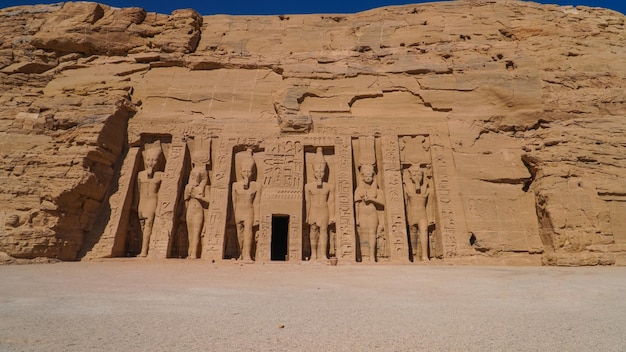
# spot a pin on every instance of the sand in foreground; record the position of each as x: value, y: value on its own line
x: 179, y: 305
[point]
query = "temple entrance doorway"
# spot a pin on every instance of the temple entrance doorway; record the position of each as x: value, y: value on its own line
x: 280, y: 237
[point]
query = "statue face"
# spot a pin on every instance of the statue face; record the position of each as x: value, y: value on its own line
x: 416, y: 175
x: 367, y: 174
x: 151, y: 160
x: 246, y: 173
x: 197, y: 175
x: 318, y: 173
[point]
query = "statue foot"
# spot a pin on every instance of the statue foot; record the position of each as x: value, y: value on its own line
x: 142, y: 255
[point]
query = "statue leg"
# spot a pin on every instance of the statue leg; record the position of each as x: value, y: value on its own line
x: 423, y: 238
x: 322, y: 244
x: 240, y: 236
x: 194, y: 239
x: 314, y: 240
x: 414, y: 243
x: 147, y: 231
x: 332, y: 239
x: 247, y: 240
x: 372, y: 244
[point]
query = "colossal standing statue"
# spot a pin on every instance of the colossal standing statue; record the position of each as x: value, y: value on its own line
x: 196, y: 197
x: 246, y: 196
x: 320, y: 207
x: 416, y: 191
x: 368, y: 199
x: 148, y: 182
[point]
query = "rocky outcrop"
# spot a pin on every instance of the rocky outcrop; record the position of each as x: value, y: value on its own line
x: 531, y: 99
x: 65, y: 105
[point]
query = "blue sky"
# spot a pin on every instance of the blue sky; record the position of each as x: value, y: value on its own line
x: 256, y: 7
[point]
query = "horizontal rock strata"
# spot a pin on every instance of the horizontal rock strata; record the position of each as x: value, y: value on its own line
x: 523, y: 106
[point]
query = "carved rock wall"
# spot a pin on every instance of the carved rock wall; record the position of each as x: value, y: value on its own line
x: 523, y: 106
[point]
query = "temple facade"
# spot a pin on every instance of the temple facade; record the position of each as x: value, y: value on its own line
x: 358, y: 193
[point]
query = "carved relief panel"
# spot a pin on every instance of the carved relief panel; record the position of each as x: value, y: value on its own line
x: 280, y: 228
x: 214, y: 246
x: 397, y: 242
x: 169, y: 201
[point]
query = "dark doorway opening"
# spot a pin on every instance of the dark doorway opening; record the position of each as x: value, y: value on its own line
x: 280, y: 236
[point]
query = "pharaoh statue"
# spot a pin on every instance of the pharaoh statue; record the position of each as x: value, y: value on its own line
x: 148, y: 182
x: 196, y: 198
x: 368, y: 198
x: 246, y: 197
x: 416, y: 191
x: 320, y: 207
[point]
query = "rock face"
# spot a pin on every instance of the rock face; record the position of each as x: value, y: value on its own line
x: 468, y: 131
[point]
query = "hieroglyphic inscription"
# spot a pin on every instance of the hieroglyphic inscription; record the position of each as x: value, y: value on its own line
x: 444, y: 204
x: 394, y: 200
x: 345, y: 199
x: 215, y: 225
x: 264, y: 235
x: 202, y: 131
x: 112, y: 242
x: 165, y: 219
x: 282, y: 194
x: 360, y: 130
x: 295, y: 234
x: 282, y: 171
x: 244, y: 141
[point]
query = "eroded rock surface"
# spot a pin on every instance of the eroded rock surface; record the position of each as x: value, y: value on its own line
x: 517, y: 110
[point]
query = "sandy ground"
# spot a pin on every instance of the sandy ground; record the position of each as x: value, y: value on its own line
x: 178, y: 305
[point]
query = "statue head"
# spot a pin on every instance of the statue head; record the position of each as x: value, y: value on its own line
x: 367, y: 173
x: 319, y: 166
x: 247, y: 167
x: 416, y: 173
x: 197, y: 175
x: 151, y: 157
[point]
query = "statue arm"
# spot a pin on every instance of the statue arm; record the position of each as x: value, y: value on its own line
x: 358, y: 196
x: 406, y: 194
x: 426, y: 189
x: 202, y: 186
x: 380, y: 198
x: 256, y: 203
x: 206, y: 195
x: 187, y: 193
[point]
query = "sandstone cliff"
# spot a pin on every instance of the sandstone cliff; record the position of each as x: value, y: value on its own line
x: 529, y: 100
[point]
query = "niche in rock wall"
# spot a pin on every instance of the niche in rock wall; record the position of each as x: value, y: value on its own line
x: 369, y: 200
x: 243, y: 210
x: 319, y: 240
x: 194, y: 199
x: 417, y: 178
x: 154, y: 151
